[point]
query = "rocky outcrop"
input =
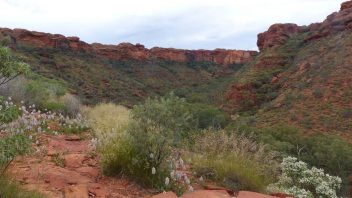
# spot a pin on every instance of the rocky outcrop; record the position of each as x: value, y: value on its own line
x: 346, y: 5
x: 276, y: 35
x: 336, y: 22
x: 241, y: 95
x: 124, y: 51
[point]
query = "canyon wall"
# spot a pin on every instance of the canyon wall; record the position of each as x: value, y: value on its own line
x: 125, y: 51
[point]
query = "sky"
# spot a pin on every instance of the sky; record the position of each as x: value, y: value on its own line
x: 187, y: 24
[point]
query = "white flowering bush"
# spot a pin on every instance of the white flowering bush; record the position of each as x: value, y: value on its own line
x: 179, y: 179
x: 298, y: 180
x: 35, y: 121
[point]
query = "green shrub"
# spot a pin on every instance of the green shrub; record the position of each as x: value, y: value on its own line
x: 234, y: 161
x: 11, y: 189
x: 12, y: 145
x: 169, y: 114
x: 139, y: 144
x: 34, y: 89
x: 43, y: 94
x: 158, y: 126
x: 8, y: 111
x: 53, y: 106
x: 208, y: 116
x: 109, y: 123
x: 10, y: 68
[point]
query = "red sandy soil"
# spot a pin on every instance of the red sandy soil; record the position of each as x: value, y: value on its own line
x: 76, y: 173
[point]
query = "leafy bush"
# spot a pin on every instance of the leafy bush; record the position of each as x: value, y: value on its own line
x: 297, y: 179
x: 35, y: 89
x: 44, y: 93
x: 234, y: 161
x: 12, y: 145
x: 169, y: 114
x: 139, y: 143
x: 158, y: 126
x: 10, y: 68
x: 208, y: 116
x: 8, y: 111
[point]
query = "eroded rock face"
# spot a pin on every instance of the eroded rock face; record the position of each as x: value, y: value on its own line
x: 124, y: 51
x: 336, y: 22
x: 276, y: 35
x: 219, y: 56
x: 346, y: 5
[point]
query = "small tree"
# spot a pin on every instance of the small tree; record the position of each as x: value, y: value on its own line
x: 10, y: 68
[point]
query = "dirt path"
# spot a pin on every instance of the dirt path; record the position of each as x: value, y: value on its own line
x: 67, y: 167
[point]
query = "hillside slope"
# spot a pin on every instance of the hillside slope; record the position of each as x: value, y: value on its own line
x: 123, y: 73
x: 302, y: 76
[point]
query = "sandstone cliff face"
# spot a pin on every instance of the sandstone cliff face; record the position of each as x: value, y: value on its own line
x: 276, y: 35
x: 125, y: 51
x: 336, y: 22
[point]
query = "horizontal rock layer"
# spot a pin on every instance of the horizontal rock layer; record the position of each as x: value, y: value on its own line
x: 125, y: 51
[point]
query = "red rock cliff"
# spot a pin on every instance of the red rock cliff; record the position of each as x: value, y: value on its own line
x: 336, y: 22
x: 125, y: 51
x: 276, y: 35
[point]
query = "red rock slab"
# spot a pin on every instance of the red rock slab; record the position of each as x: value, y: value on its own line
x: 207, y: 194
x: 60, y: 145
x: 60, y: 177
x: 247, y: 194
x: 165, y: 195
x: 74, y: 160
x: 89, y: 171
x: 79, y: 191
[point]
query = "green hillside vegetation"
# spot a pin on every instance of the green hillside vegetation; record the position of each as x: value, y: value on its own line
x: 312, y: 92
x: 127, y: 82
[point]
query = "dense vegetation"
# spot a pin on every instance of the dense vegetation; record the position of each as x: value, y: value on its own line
x: 126, y: 82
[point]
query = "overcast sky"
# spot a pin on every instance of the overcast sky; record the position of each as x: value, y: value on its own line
x: 191, y: 24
